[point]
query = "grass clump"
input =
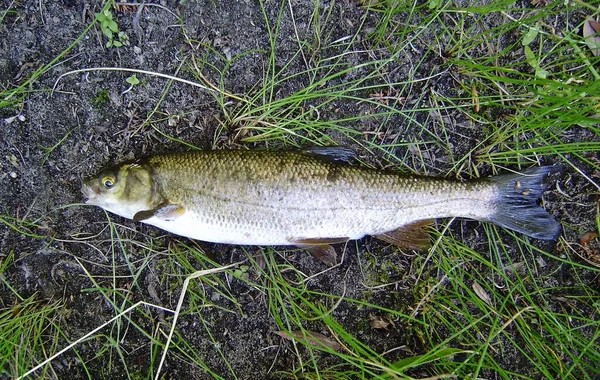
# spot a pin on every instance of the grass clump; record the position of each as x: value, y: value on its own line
x: 30, y: 327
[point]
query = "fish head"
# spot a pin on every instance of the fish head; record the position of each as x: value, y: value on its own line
x: 124, y: 189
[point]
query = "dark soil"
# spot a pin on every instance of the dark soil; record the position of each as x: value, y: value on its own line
x: 92, y: 121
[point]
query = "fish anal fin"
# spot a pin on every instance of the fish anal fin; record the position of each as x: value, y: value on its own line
x: 409, y: 236
x: 324, y: 252
x: 164, y: 211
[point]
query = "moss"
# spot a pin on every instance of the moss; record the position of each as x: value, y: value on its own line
x: 101, y: 97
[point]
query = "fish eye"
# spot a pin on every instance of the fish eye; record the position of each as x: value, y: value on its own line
x: 108, y: 182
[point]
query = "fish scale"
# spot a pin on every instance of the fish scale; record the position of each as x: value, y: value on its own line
x: 293, y: 196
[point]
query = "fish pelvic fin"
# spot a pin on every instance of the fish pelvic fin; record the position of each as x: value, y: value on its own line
x: 320, y: 247
x: 516, y: 206
x: 409, y: 236
x: 325, y: 253
x: 318, y: 241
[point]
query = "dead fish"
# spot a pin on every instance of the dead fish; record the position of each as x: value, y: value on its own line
x: 309, y: 198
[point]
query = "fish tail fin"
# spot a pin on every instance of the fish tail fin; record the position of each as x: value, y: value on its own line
x: 517, y: 207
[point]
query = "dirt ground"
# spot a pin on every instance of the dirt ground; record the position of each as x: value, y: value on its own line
x: 91, y: 120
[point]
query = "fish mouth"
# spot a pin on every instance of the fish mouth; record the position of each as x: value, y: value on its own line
x: 88, y: 193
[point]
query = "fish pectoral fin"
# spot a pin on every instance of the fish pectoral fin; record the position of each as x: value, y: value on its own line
x: 143, y: 215
x: 164, y: 211
x: 409, y: 236
x: 331, y: 153
x: 325, y: 253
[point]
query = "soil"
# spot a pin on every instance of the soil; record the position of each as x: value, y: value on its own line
x: 52, y: 139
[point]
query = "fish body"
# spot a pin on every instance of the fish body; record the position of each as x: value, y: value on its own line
x: 305, y: 198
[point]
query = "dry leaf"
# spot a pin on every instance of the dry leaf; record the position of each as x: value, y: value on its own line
x: 514, y: 267
x: 540, y: 262
x: 378, y: 322
x: 311, y: 337
x: 16, y: 308
x: 587, y: 237
x: 591, y: 28
x: 475, y: 99
x: 481, y: 293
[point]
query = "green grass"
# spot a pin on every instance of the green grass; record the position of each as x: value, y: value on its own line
x: 472, y: 307
x: 29, y: 327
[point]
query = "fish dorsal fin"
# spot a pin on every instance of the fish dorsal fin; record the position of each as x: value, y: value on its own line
x: 164, y: 211
x: 409, y: 236
x: 331, y: 153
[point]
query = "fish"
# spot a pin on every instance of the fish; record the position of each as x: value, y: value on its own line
x: 310, y: 198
